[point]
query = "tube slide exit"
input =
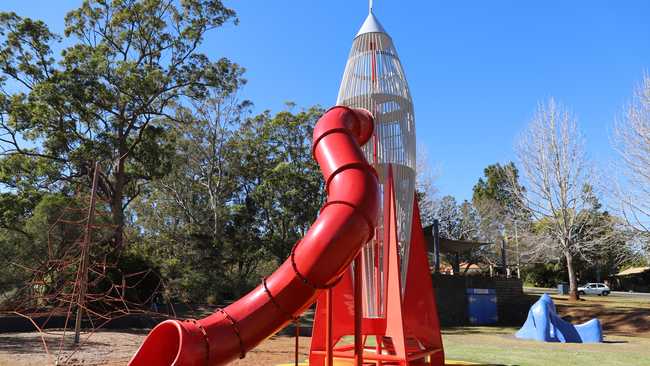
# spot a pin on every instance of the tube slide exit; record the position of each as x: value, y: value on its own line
x: 346, y: 222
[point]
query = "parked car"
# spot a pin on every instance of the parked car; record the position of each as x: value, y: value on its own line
x: 599, y: 289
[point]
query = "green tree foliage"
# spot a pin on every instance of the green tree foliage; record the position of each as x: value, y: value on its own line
x: 291, y: 193
x: 495, y: 185
x: 501, y: 217
x: 126, y: 66
x: 35, y: 241
x: 498, y: 205
x: 241, y: 192
x: 610, y: 238
x: 544, y: 274
x: 207, y: 195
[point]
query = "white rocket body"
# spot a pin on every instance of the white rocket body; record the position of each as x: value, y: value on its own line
x: 374, y: 80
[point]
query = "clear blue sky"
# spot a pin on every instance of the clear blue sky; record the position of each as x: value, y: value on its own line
x: 476, y: 68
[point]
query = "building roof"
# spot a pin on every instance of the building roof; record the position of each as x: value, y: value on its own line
x: 371, y: 25
x: 450, y: 246
x: 459, y: 246
x: 632, y: 271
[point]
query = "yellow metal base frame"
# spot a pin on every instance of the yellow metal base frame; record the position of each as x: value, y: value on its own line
x: 349, y: 363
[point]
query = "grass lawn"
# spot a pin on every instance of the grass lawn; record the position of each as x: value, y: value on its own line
x: 498, y: 346
x: 626, y: 325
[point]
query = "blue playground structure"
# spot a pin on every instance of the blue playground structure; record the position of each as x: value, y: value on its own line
x: 543, y: 324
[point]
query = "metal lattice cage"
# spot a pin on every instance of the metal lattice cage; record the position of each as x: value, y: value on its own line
x: 374, y: 79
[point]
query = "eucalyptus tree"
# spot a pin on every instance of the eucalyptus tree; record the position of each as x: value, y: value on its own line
x: 242, y: 190
x: 108, y: 96
x: 291, y: 190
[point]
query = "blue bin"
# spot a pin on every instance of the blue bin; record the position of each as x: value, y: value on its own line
x: 482, y: 306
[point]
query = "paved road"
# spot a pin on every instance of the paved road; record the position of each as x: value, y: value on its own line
x: 642, y: 295
x: 637, y: 295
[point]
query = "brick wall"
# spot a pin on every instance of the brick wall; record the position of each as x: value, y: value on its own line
x: 512, y: 303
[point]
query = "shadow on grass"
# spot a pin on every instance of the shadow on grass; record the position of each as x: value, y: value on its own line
x: 620, y: 319
x: 478, y: 330
x: 459, y: 363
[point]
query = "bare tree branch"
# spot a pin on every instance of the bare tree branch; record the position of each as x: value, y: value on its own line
x: 559, y: 192
x: 632, y: 141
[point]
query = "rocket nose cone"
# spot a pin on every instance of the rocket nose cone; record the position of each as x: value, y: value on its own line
x: 371, y: 25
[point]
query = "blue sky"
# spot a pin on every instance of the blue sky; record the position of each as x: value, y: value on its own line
x: 476, y: 68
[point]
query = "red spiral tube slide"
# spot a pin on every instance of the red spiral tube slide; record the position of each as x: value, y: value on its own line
x: 346, y: 222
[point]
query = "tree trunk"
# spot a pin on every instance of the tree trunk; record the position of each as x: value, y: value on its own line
x: 573, y: 281
x: 118, y: 221
x: 117, y: 201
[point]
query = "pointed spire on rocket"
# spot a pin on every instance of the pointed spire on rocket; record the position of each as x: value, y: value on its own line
x: 371, y: 25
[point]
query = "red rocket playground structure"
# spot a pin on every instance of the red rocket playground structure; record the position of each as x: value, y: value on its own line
x: 363, y: 261
x: 394, y: 319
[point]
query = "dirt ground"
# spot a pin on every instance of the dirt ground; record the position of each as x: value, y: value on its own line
x: 620, y: 316
x: 100, y: 348
x: 116, y: 348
